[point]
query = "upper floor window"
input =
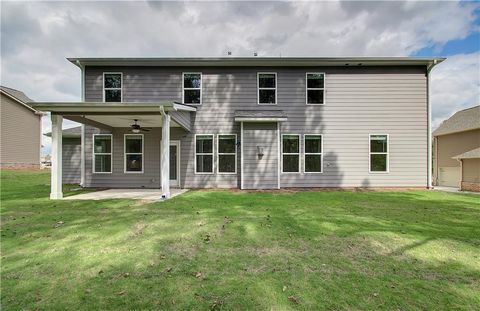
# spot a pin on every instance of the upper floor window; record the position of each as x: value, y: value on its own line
x: 192, y: 88
x: 315, y: 88
x: 290, y: 153
x: 112, y: 87
x: 133, y: 153
x: 102, y: 153
x: 379, y: 153
x: 267, y: 88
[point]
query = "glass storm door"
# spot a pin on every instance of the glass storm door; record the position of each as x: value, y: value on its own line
x: 175, y: 163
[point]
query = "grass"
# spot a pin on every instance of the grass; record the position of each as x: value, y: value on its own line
x: 237, y: 251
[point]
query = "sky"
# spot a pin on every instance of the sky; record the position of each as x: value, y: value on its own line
x: 36, y: 37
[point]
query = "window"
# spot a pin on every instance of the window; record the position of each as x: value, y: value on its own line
x: 133, y: 153
x: 192, y: 88
x: 112, y: 87
x: 313, y: 159
x: 290, y: 153
x: 204, y: 154
x: 102, y: 153
x: 315, y: 88
x: 227, y: 154
x: 267, y: 88
x: 379, y: 153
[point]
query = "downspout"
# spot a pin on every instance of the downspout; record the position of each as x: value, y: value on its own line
x: 429, y: 126
x: 82, y: 136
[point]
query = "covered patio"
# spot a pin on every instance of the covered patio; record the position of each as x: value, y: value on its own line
x: 133, y: 194
x: 108, y: 116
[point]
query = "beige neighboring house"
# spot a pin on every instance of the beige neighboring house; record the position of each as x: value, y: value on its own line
x: 456, y: 150
x: 20, y: 130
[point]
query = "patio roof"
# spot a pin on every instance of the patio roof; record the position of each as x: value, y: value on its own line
x: 109, y: 115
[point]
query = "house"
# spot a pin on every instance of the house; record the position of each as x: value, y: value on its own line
x: 454, y: 143
x: 20, y: 128
x: 71, y: 154
x: 249, y: 122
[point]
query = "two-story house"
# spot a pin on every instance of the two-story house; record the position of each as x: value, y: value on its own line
x: 250, y: 122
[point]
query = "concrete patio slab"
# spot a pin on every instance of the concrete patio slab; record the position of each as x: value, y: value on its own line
x: 134, y: 194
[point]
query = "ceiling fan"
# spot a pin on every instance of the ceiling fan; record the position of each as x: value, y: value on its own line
x: 137, y: 128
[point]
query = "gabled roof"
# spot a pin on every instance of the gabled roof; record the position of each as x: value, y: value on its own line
x: 463, y: 120
x: 472, y: 154
x: 255, y: 61
x: 72, y: 132
x: 18, y: 96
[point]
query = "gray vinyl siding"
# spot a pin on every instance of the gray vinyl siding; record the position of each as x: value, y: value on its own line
x: 20, y: 135
x: 71, y: 155
x: 359, y: 101
x: 260, y: 172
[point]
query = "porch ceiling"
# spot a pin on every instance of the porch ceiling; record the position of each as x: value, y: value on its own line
x: 154, y: 120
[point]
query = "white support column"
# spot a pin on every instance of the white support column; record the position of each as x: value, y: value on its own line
x: 56, y: 172
x: 165, y: 156
x: 82, y: 157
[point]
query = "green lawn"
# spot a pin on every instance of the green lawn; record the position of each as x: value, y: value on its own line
x: 236, y: 250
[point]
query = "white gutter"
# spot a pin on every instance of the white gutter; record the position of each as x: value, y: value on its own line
x: 429, y: 125
x: 82, y: 131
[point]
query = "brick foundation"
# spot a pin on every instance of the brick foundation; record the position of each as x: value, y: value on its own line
x: 470, y: 186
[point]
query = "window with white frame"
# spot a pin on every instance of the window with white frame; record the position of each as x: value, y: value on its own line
x: 290, y: 153
x: 379, y: 153
x: 133, y: 153
x: 112, y: 87
x: 204, y: 154
x: 192, y: 88
x: 267, y: 88
x: 102, y: 153
x: 227, y: 154
x: 313, y: 157
x: 315, y: 88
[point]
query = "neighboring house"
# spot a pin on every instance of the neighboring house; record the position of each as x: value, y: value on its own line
x: 21, y: 128
x: 71, y: 154
x: 470, y: 170
x: 250, y: 122
x: 455, y: 136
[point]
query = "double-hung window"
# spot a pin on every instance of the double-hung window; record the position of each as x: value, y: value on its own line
x: 192, y: 88
x: 267, y: 88
x: 204, y: 154
x: 133, y: 153
x: 102, y: 153
x: 112, y: 87
x: 315, y: 88
x: 290, y: 153
x: 379, y: 153
x: 227, y: 154
x: 313, y: 157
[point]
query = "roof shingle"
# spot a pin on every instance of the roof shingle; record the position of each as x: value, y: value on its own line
x: 463, y: 120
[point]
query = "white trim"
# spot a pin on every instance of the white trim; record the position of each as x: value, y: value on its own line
x: 313, y: 153
x: 249, y: 119
x: 114, y: 88
x: 204, y: 153
x: 386, y: 153
x: 192, y: 88
x: 178, y: 144
x: 83, y: 131
x: 125, y: 154
x: 103, y: 153
x: 279, y: 169
x: 241, y: 156
x: 219, y: 154
x: 299, y: 153
x: 266, y: 88
x: 315, y: 89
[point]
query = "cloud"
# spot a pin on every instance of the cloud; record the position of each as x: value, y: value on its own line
x: 455, y: 86
x: 37, y: 36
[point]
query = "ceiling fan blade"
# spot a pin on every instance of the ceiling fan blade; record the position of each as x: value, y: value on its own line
x: 144, y: 129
